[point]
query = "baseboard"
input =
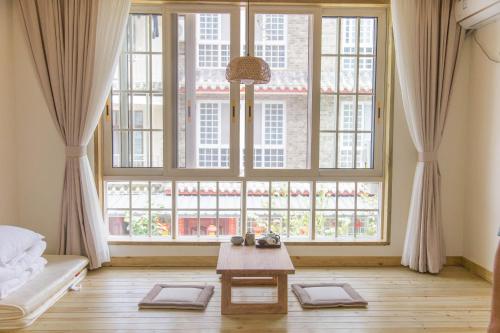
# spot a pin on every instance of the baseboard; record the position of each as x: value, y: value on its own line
x: 477, y: 269
x: 298, y: 261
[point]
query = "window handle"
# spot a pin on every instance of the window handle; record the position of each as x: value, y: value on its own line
x: 189, y: 111
x: 234, y: 113
x: 378, y: 110
x: 249, y: 112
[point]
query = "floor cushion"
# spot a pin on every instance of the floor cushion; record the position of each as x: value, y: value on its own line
x: 327, y: 295
x: 165, y: 296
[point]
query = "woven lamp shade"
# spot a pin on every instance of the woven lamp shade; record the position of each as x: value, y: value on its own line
x: 248, y: 70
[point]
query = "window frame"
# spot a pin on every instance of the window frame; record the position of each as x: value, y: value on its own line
x: 313, y: 173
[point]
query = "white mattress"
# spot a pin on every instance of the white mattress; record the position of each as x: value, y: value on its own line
x: 26, y: 304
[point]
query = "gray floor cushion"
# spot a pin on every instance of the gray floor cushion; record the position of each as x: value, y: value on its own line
x: 327, y: 295
x: 165, y: 296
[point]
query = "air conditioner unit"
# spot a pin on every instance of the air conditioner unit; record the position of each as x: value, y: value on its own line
x: 472, y: 14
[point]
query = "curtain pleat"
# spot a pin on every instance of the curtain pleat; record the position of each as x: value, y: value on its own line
x: 75, y: 45
x: 427, y: 40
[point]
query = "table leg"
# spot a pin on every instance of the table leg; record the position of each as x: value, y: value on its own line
x: 225, y: 300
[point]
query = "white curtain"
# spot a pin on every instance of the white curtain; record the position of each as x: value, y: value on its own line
x: 427, y: 39
x: 75, y: 46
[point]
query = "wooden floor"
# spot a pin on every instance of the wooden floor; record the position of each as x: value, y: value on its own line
x: 399, y: 301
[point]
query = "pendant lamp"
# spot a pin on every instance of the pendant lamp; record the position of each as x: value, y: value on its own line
x: 248, y: 70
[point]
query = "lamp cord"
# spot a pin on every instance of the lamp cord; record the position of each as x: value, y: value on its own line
x: 248, y: 28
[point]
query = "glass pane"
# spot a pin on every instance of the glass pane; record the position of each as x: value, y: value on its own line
x: 157, y: 112
x: 140, y: 147
x: 161, y: 195
x: 156, y: 33
x: 118, y: 195
x: 329, y: 35
x: 140, y: 116
x: 279, y: 194
x: 157, y: 147
x: 257, y: 222
x: 161, y: 223
x: 365, y: 113
x: 279, y: 222
x: 368, y: 196
x: 325, y: 224
x: 347, y: 79
x: 208, y: 223
x: 120, y: 110
x: 346, y: 195
x: 140, y: 223
x: 280, y: 119
x: 140, y: 195
x: 327, y: 150
x: 187, y: 195
x: 329, y: 69
x: 364, y: 150
x: 346, y: 150
x: 366, y: 75
x: 326, y: 195
x: 138, y: 29
x: 300, y: 195
x: 229, y: 195
x: 208, y: 195
x: 229, y: 223
x: 203, y: 97
x: 345, y: 228
x: 157, y: 72
x: 258, y: 195
x: 367, y: 224
x: 347, y: 113
x: 121, y: 143
x: 328, y: 113
x: 118, y: 222
x: 348, y: 35
x: 140, y: 72
x: 187, y: 223
x: 299, y: 224
x: 367, y: 35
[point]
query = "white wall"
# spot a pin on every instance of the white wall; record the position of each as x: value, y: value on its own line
x: 40, y: 165
x: 8, y: 205
x: 482, y: 213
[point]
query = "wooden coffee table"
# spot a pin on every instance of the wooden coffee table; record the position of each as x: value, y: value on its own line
x: 250, y: 266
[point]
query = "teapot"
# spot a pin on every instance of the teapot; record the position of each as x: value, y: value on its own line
x: 269, y: 239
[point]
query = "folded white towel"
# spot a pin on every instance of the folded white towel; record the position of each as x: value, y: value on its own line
x: 26, y: 258
x: 14, y: 241
x: 9, y: 286
x: 15, y: 268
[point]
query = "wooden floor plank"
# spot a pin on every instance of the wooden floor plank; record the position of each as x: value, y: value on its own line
x: 399, y: 301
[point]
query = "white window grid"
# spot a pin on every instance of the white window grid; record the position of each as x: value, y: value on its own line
x: 211, y: 152
x: 209, y: 26
x: 278, y: 201
x: 274, y: 123
x: 337, y: 142
x: 337, y: 212
x: 213, y: 50
x: 132, y: 152
x: 273, y: 47
x: 362, y: 65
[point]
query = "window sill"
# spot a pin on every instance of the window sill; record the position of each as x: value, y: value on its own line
x: 145, y: 241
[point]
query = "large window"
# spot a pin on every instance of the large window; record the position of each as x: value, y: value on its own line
x: 189, y: 156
